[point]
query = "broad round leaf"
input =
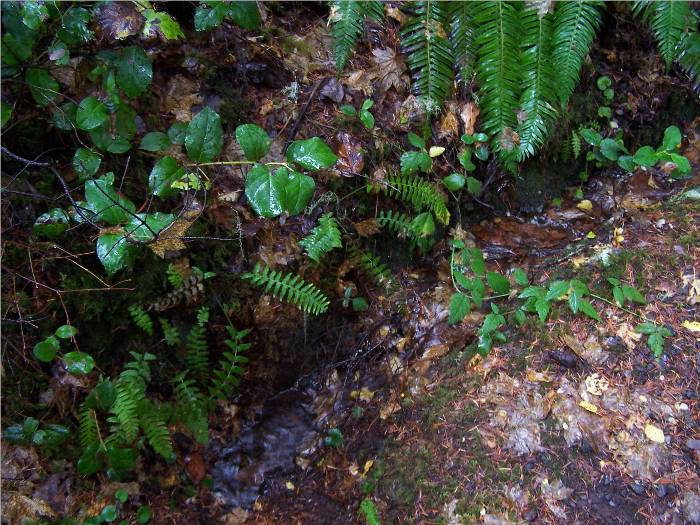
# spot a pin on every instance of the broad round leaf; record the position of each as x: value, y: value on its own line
x: 86, y: 162
x: 78, y: 363
x: 114, y: 252
x: 91, y: 114
x: 134, y: 71
x: 66, y: 331
x: 146, y: 226
x: 672, y: 138
x: 245, y: 14
x: 254, y: 141
x: 155, y: 141
x: 311, y: 154
x: 297, y: 192
x: 42, y: 86
x: 454, y: 181
x: 103, y: 200
x: 46, y: 350
x: 204, y: 137
x: 645, y: 156
x: 265, y: 191
x: 177, y: 132
x: 164, y: 173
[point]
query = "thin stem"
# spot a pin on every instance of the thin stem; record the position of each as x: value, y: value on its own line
x: 621, y: 307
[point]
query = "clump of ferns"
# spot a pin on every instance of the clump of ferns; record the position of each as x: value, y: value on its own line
x: 374, y: 268
x: 421, y: 194
x: 418, y: 230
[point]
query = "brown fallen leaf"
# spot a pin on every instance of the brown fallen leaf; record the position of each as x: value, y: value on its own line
x: 195, y: 467
x: 469, y: 114
x: 351, y: 160
x: 367, y: 227
x: 391, y: 68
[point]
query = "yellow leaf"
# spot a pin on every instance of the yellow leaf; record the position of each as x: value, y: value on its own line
x: 591, y: 235
x: 693, y: 326
x: 585, y: 205
x: 654, y: 434
x: 368, y: 465
x: 436, y: 151
x: 366, y: 394
x: 289, y: 485
x: 588, y: 406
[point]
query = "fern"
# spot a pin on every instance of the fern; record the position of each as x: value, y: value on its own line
x: 203, y: 315
x: 374, y: 268
x: 170, y: 332
x: 575, y: 26
x: 498, y: 66
x: 398, y: 223
x: 347, y: 18
x: 228, y: 376
x: 89, y: 432
x: 539, y: 93
x: 689, y: 58
x: 155, y: 429
x: 420, y: 193
x: 141, y: 318
x: 174, y: 277
x: 190, y: 408
x: 197, y: 358
x: 429, y: 53
x: 462, y: 32
x: 130, y: 389
x: 289, y: 287
x: 575, y: 144
x: 323, y: 238
x: 669, y: 21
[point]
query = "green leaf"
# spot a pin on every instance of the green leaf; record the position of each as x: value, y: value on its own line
x: 143, y: 514
x: 42, y: 85
x: 454, y: 181
x: 465, y: 159
x: 103, y: 200
x: 632, y: 294
x: 369, y: 512
x: 556, y: 290
x: 52, y: 224
x: 14, y: 434
x: 254, y: 141
x: 603, y: 83
x: 114, y: 252
x: 520, y: 277
x: 121, y: 459
x: 34, y: 13
x: 646, y: 328
x: 91, y: 114
x: 86, y: 162
x: 604, y: 112
x: 347, y: 109
x: 367, y: 104
x: 656, y: 344
x: 498, y: 283
x: 519, y: 317
x: 492, y: 322
x: 164, y: 173
x: 587, y: 308
x: 626, y: 162
x: 682, y: 164
x: 482, y: 152
x: 177, y: 133
x: 672, y: 138
x: 542, y: 307
x: 5, y: 112
x: 311, y: 154
x: 121, y: 495
x: 459, y: 307
x: 413, y: 161
x: 146, y: 227
x: 109, y: 513
x: 66, y: 331
x: 265, y: 192
x: 591, y: 137
x: 609, y: 94
x: 416, y: 141
x: 476, y: 258
x: 75, y: 26
x: 245, y: 14
x: 155, y: 141
x: 297, y: 190
x: 574, y: 301
x: 206, y: 19
x: 134, y: 71
x: 619, y: 296
x: 473, y: 186
x: 78, y: 363
x: 423, y: 225
x: 163, y: 23
x: 102, y: 396
x: 359, y: 304
x: 46, y: 350
x: 610, y: 149
x: 367, y: 119
x: 204, y: 137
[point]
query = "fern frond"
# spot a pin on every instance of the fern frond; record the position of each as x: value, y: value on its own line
x: 141, y: 318
x: 462, y: 32
x: 323, y: 238
x: 170, y: 332
x: 575, y: 26
x: 89, y: 432
x: 428, y: 53
x: 420, y: 193
x: 669, y: 20
x: 498, y: 68
x: 197, y: 358
x: 190, y: 407
x: 689, y: 58
x: 155, y: 429
x: 203, y: 315
x: 289, y: 287
x: 125, y: 409
x: 347, y: 19
x: 575, y: 144
x: 228, y: 376
x: 374, y: 268
x: 174, y: 277
x: 539, y: 93
x: 398, y: 223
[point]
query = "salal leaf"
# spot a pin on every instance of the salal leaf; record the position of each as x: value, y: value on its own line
x: 164, y: 173
x: 245, y: 14
x: 86, y: 162
x: 66, y: 331
x: 91, y: 114
x: 311, y: 154
x: 254, y: 141
x: 204, y: 137
x: 134, y: 71
x: 34, y: 13
x: 208, y: 18
x: 42, y: 85
x: 155, y: 141
x: 47, y: 349
x: 177, y: 133
x: 6, y: 112
x: 114, y: 252
x: 78, y: 363
x: 145, y: 227
x: 265, y: 191
x: 297, y: 192
x: 75, y: 26
x: 163, y: 23
x: 102, y: 199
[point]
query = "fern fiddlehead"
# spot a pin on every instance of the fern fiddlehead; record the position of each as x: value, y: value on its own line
x: 289, y: 287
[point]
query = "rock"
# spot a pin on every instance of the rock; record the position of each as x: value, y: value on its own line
x: 564, y: 358
x: 637, y: 488
x: 693, y: 444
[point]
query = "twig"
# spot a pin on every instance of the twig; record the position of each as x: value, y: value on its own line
x: 295, y: 128
x: 22, y: 159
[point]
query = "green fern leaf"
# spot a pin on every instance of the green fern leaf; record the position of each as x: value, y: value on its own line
x: 539, y: 93
x: 323, y: 238
x: 462, y: 32
x: 190, y: 408
x: 141, y: 318
x: 197, y: 358
x: 498, y: 68
x: 575, y: 26
x: 421, y: 194
x: 347, y: 20
x: 374, y: 268
x: 228, y: 376
x: 89, y: 432
x: 689, y: 58
x: 290, y: 288
x: 125, y: 409
x: 174, y: 277
x: 398, y: 223
x: 575, y: 144
x: 170, y: 332
x: 155, y: 429
x: 429, y: 53
x: 669, y: 20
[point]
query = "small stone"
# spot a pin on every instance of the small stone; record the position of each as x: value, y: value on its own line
x: 693, y: 444
x: 530, y: 515
x: 637, y: 488
x: 661, y: 491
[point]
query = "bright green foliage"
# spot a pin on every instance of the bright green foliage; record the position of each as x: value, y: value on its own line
x: 290, y: 288
x: 624, y: 292
x: 323, y: 238
x: 170, y: 333
x: 421, y: 194
x: 130, y: 390
x: 155, y: 429
x: 87, y: 421
x: 668, y: 21
x: 228, y: 376
x: 347, y: 19
x: 174, y: 277
x: 689, y: 57
x: 428, y: 52
x: 398, y: 223
x: 190, y: 407
x: 311, y: 154
x: 575, y: 25
x: 657, y: 336
x: 498, y: 69
x: 462, y: 33
x: 141, y: 318
x: 197, y: 358
x: 374, y: 268
x: 369, y: 512
x: 253, y: 140
x: 204, y: 137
